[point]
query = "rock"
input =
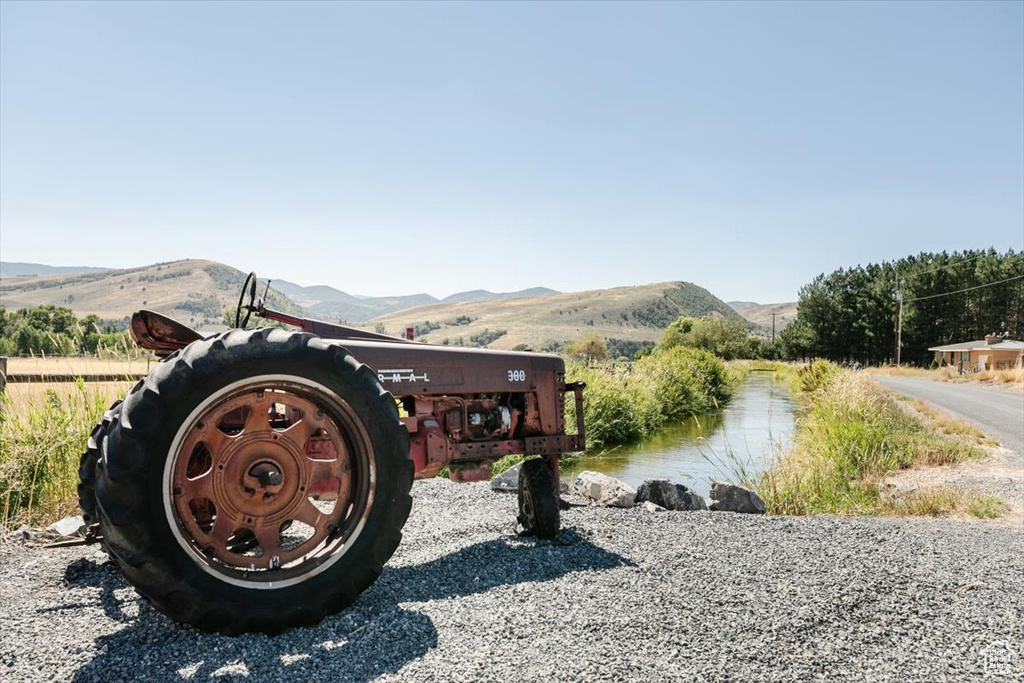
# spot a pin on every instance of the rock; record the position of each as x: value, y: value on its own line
x: 652, y: 507
x: 67, y: 527
x: 669, y: 496
x: 507, y: 480
x: 605, y: 490
x: 732, y: 498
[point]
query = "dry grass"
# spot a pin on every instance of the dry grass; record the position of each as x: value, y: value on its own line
x: 1010, y: 378
x: 942, y: 501
x: 23, y: 398
x: 949, y: 424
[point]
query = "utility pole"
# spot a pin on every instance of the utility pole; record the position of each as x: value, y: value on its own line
x: 773, y: 336
x: 899, y: 320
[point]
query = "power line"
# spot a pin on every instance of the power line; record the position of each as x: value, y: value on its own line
x: 968, y: 289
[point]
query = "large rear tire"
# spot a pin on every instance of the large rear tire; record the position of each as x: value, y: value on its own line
x: 87, y: 464
x: 265, y: 434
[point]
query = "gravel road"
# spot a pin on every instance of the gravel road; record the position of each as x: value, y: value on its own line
x: 622, y: 595
x: 996, y: 412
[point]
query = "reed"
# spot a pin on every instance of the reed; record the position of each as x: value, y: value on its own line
x: 41, y: 440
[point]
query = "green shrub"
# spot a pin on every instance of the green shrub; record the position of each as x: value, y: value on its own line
x: 623, y: 404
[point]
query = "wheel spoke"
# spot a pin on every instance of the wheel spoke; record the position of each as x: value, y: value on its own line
x: 259, y: 416
x: 195, y: 489
x: 308, y: 513
x: 215, y: 440
x: 223, y: 527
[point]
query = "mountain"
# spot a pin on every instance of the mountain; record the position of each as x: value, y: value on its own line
x: 626, y: 315
x: 195, y: 292
x: 329, y: 303
x: 484, y: 295
x: 354, y: 309
x: 307, y: 296
x: 761, y: 314
x: 14, y: 269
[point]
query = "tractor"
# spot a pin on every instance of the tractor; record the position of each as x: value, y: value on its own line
x: 259, y: 479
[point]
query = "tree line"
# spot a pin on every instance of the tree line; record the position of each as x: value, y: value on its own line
x: 55, y: 330
x: 851, y: 314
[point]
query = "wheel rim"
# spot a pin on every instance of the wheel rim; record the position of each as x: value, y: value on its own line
x: 268, y: 487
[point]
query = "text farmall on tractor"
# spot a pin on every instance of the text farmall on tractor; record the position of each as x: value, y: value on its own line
x: 259, y: 479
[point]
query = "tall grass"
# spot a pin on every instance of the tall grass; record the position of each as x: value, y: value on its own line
x: 41, y: 440
x: 849, y: 437
x: 625, y: 403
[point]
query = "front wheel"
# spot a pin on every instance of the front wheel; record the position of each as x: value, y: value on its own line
x: 256, y: 481
x: 538, y: 499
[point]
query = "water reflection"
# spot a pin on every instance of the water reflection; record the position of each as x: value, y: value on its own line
x: 742, y: 439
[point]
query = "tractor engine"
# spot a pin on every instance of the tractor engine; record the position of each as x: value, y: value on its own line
x: 464, y: 433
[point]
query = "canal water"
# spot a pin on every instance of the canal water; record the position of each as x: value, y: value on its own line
x: 737, y: 442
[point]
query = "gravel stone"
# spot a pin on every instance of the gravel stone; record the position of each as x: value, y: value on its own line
x: 620, y: 595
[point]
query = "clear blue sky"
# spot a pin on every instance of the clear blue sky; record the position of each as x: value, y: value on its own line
x: 397, y: 148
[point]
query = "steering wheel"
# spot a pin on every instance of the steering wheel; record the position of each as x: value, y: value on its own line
x: 250, y: 285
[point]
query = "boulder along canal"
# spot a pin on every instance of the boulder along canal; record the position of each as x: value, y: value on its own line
x: 740, y: 441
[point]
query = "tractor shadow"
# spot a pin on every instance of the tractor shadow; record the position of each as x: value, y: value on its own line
x: 375, y: 636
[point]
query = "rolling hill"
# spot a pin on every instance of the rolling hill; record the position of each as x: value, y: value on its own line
x: 624, y: 314
x: 195, y: 292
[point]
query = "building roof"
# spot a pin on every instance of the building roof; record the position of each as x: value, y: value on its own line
x: 980, y: 345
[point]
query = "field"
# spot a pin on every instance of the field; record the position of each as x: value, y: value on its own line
x: 21, y: 397
x: 74, y: 365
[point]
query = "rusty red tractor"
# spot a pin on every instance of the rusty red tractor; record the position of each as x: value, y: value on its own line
x: 258, y: 480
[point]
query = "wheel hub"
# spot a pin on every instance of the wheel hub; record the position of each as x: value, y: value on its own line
x: 261, y: 478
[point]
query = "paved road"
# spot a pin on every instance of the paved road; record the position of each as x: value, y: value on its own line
x: 996, y: 412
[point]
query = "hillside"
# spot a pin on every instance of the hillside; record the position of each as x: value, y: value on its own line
x: 195, y: 292
x: 761, y: 314
x: 630, y: 314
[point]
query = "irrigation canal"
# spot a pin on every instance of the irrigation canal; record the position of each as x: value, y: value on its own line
x: 753, y: 429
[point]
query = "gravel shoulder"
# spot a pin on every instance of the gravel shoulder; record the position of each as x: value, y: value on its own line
x: 621, y: 595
